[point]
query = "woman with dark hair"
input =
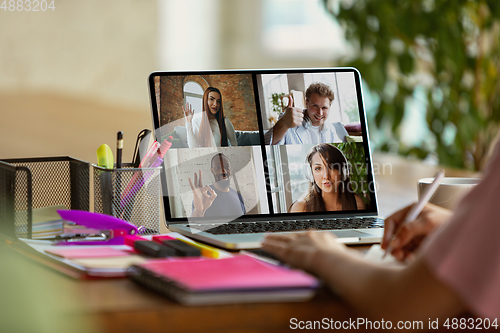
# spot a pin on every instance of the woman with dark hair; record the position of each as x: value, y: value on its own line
x: 209, y: 128
x: 329, y: 184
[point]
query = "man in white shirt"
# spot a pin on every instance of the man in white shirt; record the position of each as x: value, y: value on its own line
x: 308, y: 126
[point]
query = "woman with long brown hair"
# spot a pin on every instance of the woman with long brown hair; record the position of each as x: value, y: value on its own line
x: 209, y: 128
x: 327, y: 170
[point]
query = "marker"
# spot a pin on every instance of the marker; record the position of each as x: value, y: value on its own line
x: 151, y: 151
x: 105, y: 157
x: 141, y: 180
x: 417, y: 209
x: 149, y: 248
x: 105, y: 160
x: 182, y: 249
x: 119, y: 147
x: 149, y: 154
x: 206, y: 251
x: 157, y: 158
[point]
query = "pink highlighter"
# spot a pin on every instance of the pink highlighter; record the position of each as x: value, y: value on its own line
x: 145, y: 161
x: 155, y: 161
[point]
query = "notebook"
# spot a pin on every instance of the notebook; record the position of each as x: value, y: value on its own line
x: 236, y: 279
x: 258, y: 151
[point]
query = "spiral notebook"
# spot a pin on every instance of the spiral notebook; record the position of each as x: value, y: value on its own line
x: 231, y: 280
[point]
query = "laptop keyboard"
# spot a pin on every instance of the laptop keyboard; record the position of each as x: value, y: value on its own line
x: 288, y: 225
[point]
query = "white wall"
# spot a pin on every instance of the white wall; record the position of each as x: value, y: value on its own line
x: 98, y: 49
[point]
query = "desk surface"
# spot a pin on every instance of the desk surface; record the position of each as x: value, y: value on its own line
x: 119, y: 305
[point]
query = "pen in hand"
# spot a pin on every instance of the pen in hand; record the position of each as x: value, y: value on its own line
x: 416, y: 209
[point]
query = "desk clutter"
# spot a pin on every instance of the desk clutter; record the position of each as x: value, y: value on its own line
x: 45, y: 215
x: 181, y: 269
x: 33, y: 189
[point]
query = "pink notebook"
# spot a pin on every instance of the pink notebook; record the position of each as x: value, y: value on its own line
x: 235, y: 279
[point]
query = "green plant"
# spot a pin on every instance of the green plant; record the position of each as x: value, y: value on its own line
x: 277, y: 102
x: 450, y: 50
x: 355, y: 154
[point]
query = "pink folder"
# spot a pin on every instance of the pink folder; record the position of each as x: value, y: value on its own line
x: 236, y: 273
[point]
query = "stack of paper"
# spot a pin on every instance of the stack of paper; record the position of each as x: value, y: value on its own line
x: 47, y: 222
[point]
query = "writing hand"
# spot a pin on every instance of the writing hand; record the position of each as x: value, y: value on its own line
x: 188, y: 112
x: 203, y: 196
x: 408, y: 237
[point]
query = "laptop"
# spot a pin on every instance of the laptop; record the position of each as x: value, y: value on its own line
x: 259, y: 151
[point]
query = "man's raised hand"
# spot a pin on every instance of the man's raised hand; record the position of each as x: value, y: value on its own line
x: 203, y: 196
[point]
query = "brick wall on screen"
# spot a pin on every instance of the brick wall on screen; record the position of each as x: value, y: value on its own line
x: 171, y: 99
x: 237, y: 97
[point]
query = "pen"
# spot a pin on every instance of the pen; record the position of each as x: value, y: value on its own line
x: 119, y: 147
x: 417, y: 208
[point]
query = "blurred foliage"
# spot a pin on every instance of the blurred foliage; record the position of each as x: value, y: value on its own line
x: 355, y: 154
x: 277, y: 101
x: 451, y: 49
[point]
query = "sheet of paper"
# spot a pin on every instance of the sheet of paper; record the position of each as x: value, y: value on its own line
x: 376, y: 255
x: 89, y: 252
x: 111, y: 263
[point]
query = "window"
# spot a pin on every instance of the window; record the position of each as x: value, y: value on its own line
x: 344, y: 108
x: 301, y: 28
x: 193, y: 94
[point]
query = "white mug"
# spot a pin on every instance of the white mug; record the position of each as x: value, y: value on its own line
x: 450, y: 191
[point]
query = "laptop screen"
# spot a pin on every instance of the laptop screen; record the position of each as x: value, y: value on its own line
x: 266, y: 143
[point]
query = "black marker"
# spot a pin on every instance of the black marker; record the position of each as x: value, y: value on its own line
x: 182, y: 249
x: 149, y: 248
x: 119, y: 147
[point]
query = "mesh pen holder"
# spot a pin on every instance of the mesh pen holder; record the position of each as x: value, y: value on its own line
x: 130, y: 194
x: 30, y: 183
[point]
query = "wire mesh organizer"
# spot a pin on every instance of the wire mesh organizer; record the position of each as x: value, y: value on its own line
x: 31, y: 183
x: 130, y: 194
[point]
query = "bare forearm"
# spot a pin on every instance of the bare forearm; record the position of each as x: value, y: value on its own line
x: 409, y: 293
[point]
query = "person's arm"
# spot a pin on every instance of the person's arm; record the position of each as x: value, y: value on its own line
x: 231, y: 133
x: 293, y: 117
x: 375, y: 291
x: 409, y: 236
x: 203, y: 196
x: 192, y: 130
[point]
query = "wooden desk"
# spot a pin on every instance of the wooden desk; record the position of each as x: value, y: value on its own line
x: 119, y: 305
